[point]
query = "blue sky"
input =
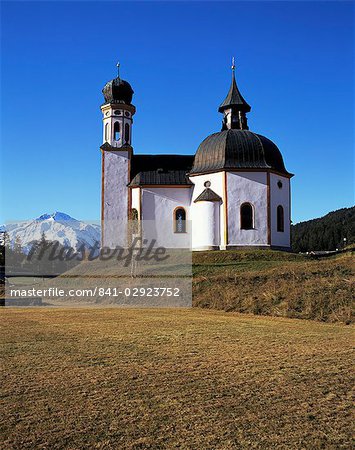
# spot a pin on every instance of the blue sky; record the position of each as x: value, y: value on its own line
x: 294, y: 67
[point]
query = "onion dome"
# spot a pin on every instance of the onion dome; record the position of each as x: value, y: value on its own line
x: 237, y: 149
x: 118, y: 91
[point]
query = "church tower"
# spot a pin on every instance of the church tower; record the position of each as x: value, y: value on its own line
x: 116, y: 151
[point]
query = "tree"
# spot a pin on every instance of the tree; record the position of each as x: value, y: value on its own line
x: 17, y: 245
x: 325, y: 233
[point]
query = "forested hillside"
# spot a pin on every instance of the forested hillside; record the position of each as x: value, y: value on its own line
x: 325, y: 233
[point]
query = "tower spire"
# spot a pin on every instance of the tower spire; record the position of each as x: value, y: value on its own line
x: 234, y: 107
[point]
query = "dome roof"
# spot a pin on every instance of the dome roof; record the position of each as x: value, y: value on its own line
x: 237, y: 149
x: 118, y: 91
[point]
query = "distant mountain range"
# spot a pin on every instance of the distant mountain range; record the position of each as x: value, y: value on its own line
x: 56, y: 227
x: 325, y: 233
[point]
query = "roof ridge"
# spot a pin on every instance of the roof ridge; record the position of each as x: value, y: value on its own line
x: 262, y: 148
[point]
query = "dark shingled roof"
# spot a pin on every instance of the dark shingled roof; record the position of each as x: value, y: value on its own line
x: 208, y: 196
x: 118, y: 91
x: 234, y: 99
x: 160, y: 170
x: 237, y: 149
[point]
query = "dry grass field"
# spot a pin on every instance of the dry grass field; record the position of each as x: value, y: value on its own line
x: 276, y: 284
x: 260, y: 282
x: 106, y: 378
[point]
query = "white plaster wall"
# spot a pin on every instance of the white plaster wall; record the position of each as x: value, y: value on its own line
x: 158, y: 205
x: 247, y: 187
x: 136, y: 199
x: 207, y: 225
x: 115, y: 198
x: 228, y: 114
x: 280, y: 197
x: 106, y: 122
x: 198, y: 219
x: 111, y: 118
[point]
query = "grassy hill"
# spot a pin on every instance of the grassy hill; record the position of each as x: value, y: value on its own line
x: 261, y: 282
x: 275, y: 283
x: 325, y: 233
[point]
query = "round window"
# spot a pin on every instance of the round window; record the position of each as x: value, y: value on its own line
x: 207, y: 184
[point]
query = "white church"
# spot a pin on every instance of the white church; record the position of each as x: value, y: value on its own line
x: 233, y: 192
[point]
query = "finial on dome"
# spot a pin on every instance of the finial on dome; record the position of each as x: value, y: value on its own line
x: 233, y: 64
x: 118, y: 90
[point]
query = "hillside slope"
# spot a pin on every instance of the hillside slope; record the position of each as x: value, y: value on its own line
x: 261, y: 282
x: 276, y: 284
x: 325, y: 233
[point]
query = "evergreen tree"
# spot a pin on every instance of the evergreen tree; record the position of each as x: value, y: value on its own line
x: 18, y: 245
x: 43, y: 240
x: 325, y: 233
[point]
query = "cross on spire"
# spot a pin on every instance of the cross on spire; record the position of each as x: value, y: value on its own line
x: 233, y: 64
x: 118, y: 69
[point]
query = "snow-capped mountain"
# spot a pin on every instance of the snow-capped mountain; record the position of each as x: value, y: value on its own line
x: 56, y: 227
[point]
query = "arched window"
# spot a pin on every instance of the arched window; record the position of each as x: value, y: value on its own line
x: 134, y: 214
x: 116, y: 131
x: 246, y: 217
x: 106, y: 132
x: 180, y: 220
x: 126, y: 133
x: 135, y: 221
x: 280, y: 219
